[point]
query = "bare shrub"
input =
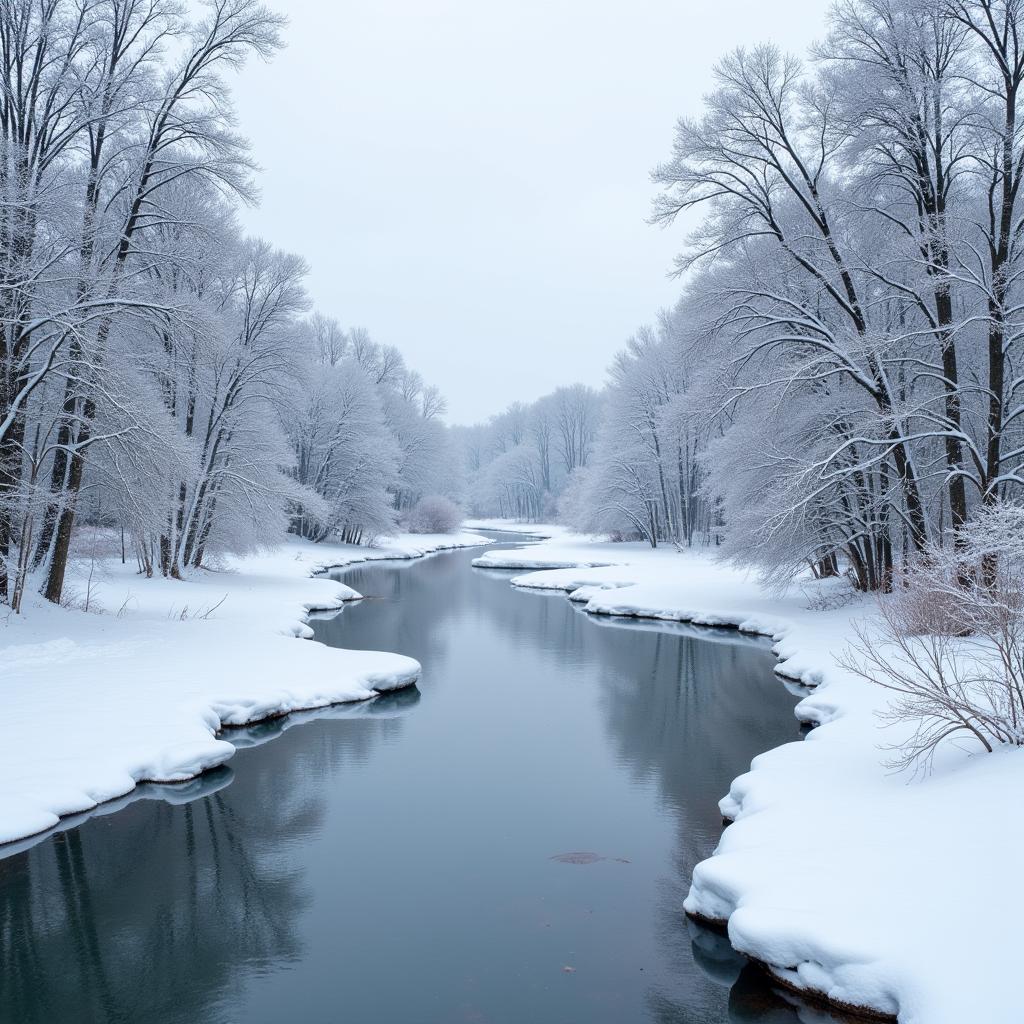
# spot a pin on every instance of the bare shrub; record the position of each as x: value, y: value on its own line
x: 71, y: 598
x: 93, y: 549
x: 187, y: 614
x: 950, y: 644
x: 829, y: 598
x: 76, y: 599
x: 434, y: 514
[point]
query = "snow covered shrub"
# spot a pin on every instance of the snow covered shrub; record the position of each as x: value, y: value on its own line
x: 951, y: 641
x: 573, y: 508
x: 434, y: 514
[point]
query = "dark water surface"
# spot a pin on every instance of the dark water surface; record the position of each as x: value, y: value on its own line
x: 400, y: 861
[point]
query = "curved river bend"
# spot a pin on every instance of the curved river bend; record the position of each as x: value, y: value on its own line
x: 510, y: 842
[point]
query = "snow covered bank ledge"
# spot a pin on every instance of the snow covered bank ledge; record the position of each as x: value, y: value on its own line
x: 96, y: 703
x: 873, y: 891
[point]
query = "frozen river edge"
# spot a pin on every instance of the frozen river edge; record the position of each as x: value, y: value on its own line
x: 836, y: 874
x: 97, y: 704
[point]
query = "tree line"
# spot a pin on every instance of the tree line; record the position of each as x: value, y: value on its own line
x: 159, y: 370
x: 840, y: 383
x: 853, y: 311
x: 519, y: 462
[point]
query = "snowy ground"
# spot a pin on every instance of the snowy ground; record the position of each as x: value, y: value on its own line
x: 877, y: 889
x: 545, y: 530
x: 137, y: 688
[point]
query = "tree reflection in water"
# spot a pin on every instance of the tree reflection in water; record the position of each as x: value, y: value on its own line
x: 661, y: 714
x: 162, y: 911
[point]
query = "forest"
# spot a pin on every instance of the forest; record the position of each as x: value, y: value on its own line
x: 163, y: 374
x: 838, y: 386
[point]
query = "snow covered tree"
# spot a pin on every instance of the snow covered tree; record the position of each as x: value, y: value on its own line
x: 518, y: 463
x: 148, y: 353
x: 345, y: 453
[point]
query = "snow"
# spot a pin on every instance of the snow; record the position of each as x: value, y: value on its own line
x: 877, y: 889
x: 96, y: 703
x: 542, y: 530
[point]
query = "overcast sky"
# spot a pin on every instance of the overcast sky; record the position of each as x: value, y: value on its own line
x: 469, y: 179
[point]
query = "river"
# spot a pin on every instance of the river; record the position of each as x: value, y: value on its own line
x: 511, y: 841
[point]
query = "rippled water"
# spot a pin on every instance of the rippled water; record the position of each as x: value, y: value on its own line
x: 510, y: 842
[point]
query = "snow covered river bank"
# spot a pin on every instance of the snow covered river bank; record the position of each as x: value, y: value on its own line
x: 134, y: 684
x: 512, y: 840
x: 882, y: 890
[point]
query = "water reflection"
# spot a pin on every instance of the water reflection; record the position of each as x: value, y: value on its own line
x: 392, y: 861
x: 161, y: 906
x: 671, y: 727
x: 99, y: 931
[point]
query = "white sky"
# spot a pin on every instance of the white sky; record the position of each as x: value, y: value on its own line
x: 469, y: 179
